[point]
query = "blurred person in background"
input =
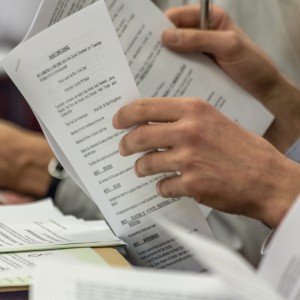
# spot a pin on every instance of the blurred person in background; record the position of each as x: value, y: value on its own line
x: 25, y: 153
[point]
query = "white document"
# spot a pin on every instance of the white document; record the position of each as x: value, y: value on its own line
x: 82, y: 77
x: 88, y: 283
x: 42, y: 209
x: 40, y: 225
x: 224, y: 263
x: 75, y: 76
x: 56, y: 233
x: 16, y: 269
x: 191, y: 75
x: 281, y: 264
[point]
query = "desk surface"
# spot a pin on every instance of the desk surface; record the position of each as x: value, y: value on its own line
x: 110, y: 255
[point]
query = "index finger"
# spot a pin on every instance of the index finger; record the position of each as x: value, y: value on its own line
x: 148, y: 110
x: 189, y: 17
x: 184, y: 16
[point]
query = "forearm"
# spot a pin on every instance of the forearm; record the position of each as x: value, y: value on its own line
x: 284, y: 103
x: 34, y: 177
x: 24, y: 158
x: 278, y: 189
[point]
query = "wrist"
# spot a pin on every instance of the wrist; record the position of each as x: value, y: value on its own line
x: 58, y: 174
x: 284, y: 103
x: 284, y: 187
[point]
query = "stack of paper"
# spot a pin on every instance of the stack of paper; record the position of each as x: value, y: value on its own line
x: 36, y: 232
x: 230, y: 277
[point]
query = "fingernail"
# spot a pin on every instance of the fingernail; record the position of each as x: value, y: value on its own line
x: 114, y: 122
x: 120, y: 149
x: 171, y: 37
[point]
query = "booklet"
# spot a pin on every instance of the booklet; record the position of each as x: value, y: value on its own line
x: 230, y: 275
x: 79, y: 71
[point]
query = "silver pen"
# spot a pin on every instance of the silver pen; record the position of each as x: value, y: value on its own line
x: 205, y: 14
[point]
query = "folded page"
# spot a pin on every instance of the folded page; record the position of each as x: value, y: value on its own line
x: 280, y: 266
x: 229, y: 266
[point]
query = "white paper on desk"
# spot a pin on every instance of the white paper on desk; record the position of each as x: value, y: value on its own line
x: 229, y: 266
x: 88, y: 283
x: 75, y: 94
x: 281, y: 264
x: 56, y: 233
x: 17, y: 268
x: 42, y: 209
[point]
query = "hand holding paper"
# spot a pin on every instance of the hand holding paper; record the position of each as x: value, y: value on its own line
x: 75, y: 76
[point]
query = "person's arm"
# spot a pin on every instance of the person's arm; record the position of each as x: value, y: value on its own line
x: 24, y: 158
x: 244, y: 63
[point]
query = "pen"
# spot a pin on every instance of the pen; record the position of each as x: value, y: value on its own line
x: 205, y: 12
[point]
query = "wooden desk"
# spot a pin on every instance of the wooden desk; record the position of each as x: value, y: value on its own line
x: 110, y: 255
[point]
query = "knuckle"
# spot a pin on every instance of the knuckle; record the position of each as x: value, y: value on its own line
x: 141, y: 109
x: 120, y: 119
x: 191, y: 133
x: 164, y: 189
x: 181, y: 158
x: 140, y: 135
x: 233, y: 45
x: 195, y: 106
x: 144, y: 166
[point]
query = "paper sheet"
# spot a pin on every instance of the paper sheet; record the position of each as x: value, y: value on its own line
x: 227, y: 265
x: 43, y: 208
x: 86, y: 283
x: 52, y: 233
x: 281, y: 264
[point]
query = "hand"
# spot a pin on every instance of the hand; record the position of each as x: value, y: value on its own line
x: 244, y: 63
x: 220, y: 164
x: 24, y: 157
x: 228, y: 46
